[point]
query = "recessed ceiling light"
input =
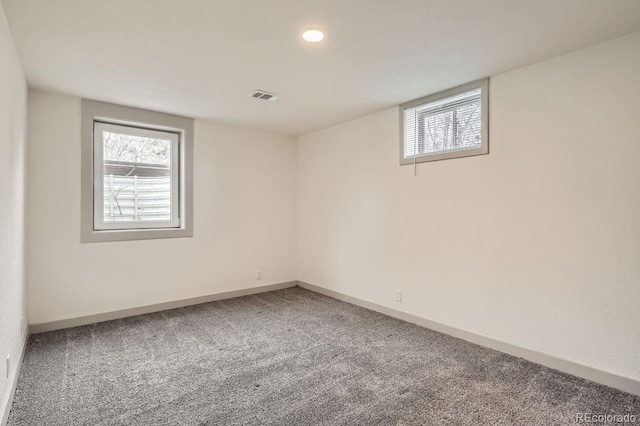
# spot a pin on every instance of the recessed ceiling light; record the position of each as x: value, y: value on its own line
x: 313, y: 36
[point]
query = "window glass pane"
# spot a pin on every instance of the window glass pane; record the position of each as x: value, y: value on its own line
x: 448, y: 125
x: 137, y: 178
x: 436, y: 133
x: 456, y: 128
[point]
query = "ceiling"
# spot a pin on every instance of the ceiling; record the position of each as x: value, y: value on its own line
x: 201, y: 58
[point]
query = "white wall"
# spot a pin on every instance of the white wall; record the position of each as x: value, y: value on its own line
x: 244, y: 220
x: 13, y: 98
x: 536, y: 244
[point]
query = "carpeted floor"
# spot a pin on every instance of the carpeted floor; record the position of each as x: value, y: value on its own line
x: 289, y: 357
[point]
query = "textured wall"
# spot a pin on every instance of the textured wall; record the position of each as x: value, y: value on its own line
x: 536, y: 244
x: 13, y: 98
x: 244, y: 220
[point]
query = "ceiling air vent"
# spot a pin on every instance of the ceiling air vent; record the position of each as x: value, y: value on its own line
x: 265, y: 96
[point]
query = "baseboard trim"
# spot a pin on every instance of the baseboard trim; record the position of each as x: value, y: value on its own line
x: 5, y: 409
x: 108, y: 316
x: 613, y: 380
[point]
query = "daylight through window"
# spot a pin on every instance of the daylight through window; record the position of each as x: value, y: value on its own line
x: 450, y: 124
x: 138, y: 186
x: 136, y: 173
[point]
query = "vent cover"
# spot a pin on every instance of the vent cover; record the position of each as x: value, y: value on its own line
x: 265, y: 96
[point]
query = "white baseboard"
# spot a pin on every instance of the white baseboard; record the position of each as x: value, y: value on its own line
x: 13, y: 383
x: 626, y: 384
x: 108, y: 316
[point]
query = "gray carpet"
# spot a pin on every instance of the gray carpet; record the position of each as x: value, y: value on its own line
x: 289, y: 357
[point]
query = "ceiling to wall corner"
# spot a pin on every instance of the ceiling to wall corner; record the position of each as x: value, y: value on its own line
x: 203, y: 58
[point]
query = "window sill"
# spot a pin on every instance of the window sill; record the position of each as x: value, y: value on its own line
x: 134, y: 234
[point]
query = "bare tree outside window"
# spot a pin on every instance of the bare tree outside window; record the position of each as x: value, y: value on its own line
x: 449, y: 124
x: 457, y: 128
x: 137, y: 177
x: 136, y: 149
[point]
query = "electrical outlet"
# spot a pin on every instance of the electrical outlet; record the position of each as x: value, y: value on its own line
x: 398, y: 296
x: 258, y: 275
x: 8, y: 365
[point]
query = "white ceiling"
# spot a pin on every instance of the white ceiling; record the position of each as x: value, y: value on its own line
x: 201, y: 58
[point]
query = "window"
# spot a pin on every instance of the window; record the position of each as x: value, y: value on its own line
x: 136, y: 173
x: 449, y: 124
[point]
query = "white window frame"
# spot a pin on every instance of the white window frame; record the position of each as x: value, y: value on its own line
x: 97, y: 116
x: 483, y: 85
